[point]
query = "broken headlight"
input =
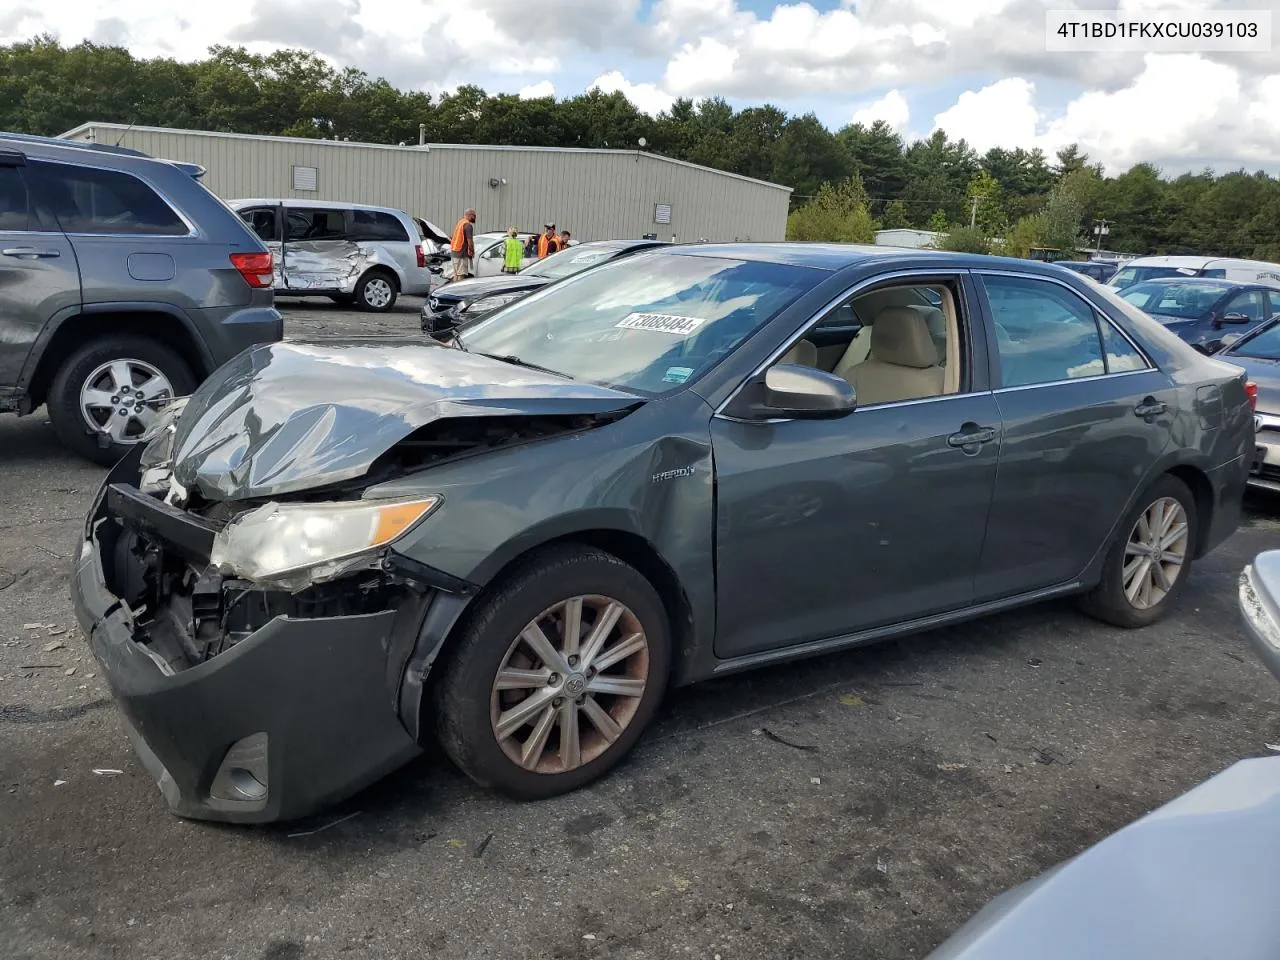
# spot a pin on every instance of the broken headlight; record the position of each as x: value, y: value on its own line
x: 489, y: 304
x: 292, y: 545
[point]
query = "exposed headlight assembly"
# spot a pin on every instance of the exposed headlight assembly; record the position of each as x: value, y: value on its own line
x: 156, y: 460
x: 291, y: 545
x: 487, y: 304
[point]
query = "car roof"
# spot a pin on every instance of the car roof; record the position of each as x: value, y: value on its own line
x: 83, y: 151
x: 837, y: 256
x: 618, y: 244
x: 291, y: 202
x: 1199, y: 282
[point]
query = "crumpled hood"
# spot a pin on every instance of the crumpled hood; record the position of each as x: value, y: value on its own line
x: 294, y: 415
x: 474, y: 288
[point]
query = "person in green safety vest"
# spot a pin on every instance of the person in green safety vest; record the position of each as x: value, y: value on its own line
x: 512, y: 252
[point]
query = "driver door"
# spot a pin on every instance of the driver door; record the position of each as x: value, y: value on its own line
x: 830, y: 527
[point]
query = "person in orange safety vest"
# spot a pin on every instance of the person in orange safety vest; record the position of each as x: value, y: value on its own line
x: 548, y: 243
x: 462, y: 248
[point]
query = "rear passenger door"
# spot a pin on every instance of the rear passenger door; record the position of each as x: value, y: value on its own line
x: 1083, y: 429
x: 38, y: 273
x: 317, y: 252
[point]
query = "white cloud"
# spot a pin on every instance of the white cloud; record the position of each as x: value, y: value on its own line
x: 700, y: 68
x: 646, y: 96
x: 534, y: 91
x: 892, y: 108
x: 1000, y: 115
x: 1182, y: 112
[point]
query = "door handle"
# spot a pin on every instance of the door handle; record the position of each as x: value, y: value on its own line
x: 1150, y: 407
x: 29, y: 253
x: 971, y: 435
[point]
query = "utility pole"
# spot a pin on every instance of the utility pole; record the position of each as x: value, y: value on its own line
x: 973, y: 214
x: 1100, y: 228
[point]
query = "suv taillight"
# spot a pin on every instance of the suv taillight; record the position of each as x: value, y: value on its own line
x: 255, y: 268
x: 1251, y: 391
x: 422, y: 256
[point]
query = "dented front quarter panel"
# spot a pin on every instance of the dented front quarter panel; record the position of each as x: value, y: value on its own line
x: 649, y: 475
x: 293, y: 416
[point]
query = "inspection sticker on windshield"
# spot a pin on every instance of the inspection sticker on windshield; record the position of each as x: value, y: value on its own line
x: 677, y: 374
x: 661, y: 323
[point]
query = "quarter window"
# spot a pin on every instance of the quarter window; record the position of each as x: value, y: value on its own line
x: 1045, y: 333
x: 1122, y: 356
x: 14, y: 206
x: 375, y: 225
x: 87, y: 200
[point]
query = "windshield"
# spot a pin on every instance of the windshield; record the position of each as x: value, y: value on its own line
x: 567, y: 262
x: 647, y: 323
x: 1130, y: 275
x: 1265, y: 346
x: 1186, y: 301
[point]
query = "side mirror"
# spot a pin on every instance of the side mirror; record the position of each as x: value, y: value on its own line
x: 1235, y: 318
x: 1228, y: 340
x: 793, y: 392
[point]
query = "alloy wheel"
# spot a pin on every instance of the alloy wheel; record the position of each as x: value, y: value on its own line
x: 377, y: 292
x: 569, y: 684
x: 1155, y: 553
x: 123, y: 397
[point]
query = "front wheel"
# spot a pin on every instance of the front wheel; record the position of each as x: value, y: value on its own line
x: 376, y: 292
x: 556, y: 676
x: 1150, y: 560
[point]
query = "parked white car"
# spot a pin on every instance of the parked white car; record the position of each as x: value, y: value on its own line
x: 351, y: 253
x: 1215, y: 268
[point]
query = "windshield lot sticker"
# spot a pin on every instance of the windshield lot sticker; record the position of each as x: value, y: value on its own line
x: 661, y: 323
x: 677, y: 374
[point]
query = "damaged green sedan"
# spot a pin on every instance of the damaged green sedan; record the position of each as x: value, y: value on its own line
x: 689, y: 462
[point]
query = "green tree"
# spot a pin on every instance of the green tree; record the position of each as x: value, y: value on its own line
x: 877, y: 155
x: 939, y: 223
x: 895, y: 216
x: 964, y: 239
x: 1026, y: 233
x: 836, y: 214
x: 1059, y: 226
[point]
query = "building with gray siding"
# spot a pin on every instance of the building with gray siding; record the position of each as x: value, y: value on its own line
x: 595, y: 194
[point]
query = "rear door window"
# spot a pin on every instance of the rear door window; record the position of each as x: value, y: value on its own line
x: 15, y: 207
x: 376, y: 225
x: 262, y: 221
x: 87, y: 200
x: 1044, y: 332
x: 303, y: 224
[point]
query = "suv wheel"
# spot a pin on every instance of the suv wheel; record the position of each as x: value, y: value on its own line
x: 115, y: 388
x: 556, y: 676
x: 376, y: 291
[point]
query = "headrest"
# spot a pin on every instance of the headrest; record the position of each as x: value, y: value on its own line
x: 803, y: 354
x: 900, y: 336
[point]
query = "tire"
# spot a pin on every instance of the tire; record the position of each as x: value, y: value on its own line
x: 88, y: 367
x: 1108, y: 601
x: 377, y: 291
x: 467, y: 704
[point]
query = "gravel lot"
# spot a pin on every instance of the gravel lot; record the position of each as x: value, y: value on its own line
x: 860, y: 805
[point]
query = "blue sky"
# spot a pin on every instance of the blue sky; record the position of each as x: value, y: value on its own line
x: 977, y: 68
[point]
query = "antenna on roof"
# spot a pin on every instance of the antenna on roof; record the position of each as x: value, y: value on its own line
x: 126, y: 130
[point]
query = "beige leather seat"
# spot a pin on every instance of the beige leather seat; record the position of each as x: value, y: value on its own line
x: 802, y: 354
x: 903, y: 363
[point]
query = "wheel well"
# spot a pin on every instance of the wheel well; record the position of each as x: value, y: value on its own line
x: 631, y: 549
x: 1202, y: 492
x: 76, y: 331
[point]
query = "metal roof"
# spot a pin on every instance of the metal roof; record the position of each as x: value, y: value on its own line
x: 95, y: 125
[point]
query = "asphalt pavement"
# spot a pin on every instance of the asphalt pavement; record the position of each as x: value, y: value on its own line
x: 861, y: 805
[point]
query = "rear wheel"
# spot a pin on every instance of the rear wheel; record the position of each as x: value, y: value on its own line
x: 556, y: 676
x: 1150, y: 560
x: 109, y: 391
x: 376, y: 291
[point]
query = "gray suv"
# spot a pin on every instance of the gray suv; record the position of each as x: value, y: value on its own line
x: 123, y: 283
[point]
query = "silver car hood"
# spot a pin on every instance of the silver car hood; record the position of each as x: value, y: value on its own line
x: 292, y: 416
x: 1196, y: 878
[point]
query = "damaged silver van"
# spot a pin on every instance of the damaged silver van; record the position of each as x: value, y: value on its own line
x: 353, y: 254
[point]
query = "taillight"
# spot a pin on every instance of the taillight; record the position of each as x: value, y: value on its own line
x: 255, y: 268
x: 1251, y: 391
x: 422, y: 256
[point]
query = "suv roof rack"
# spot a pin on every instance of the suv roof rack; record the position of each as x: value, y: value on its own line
x: 193, y: 170
x: 73, y: 144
